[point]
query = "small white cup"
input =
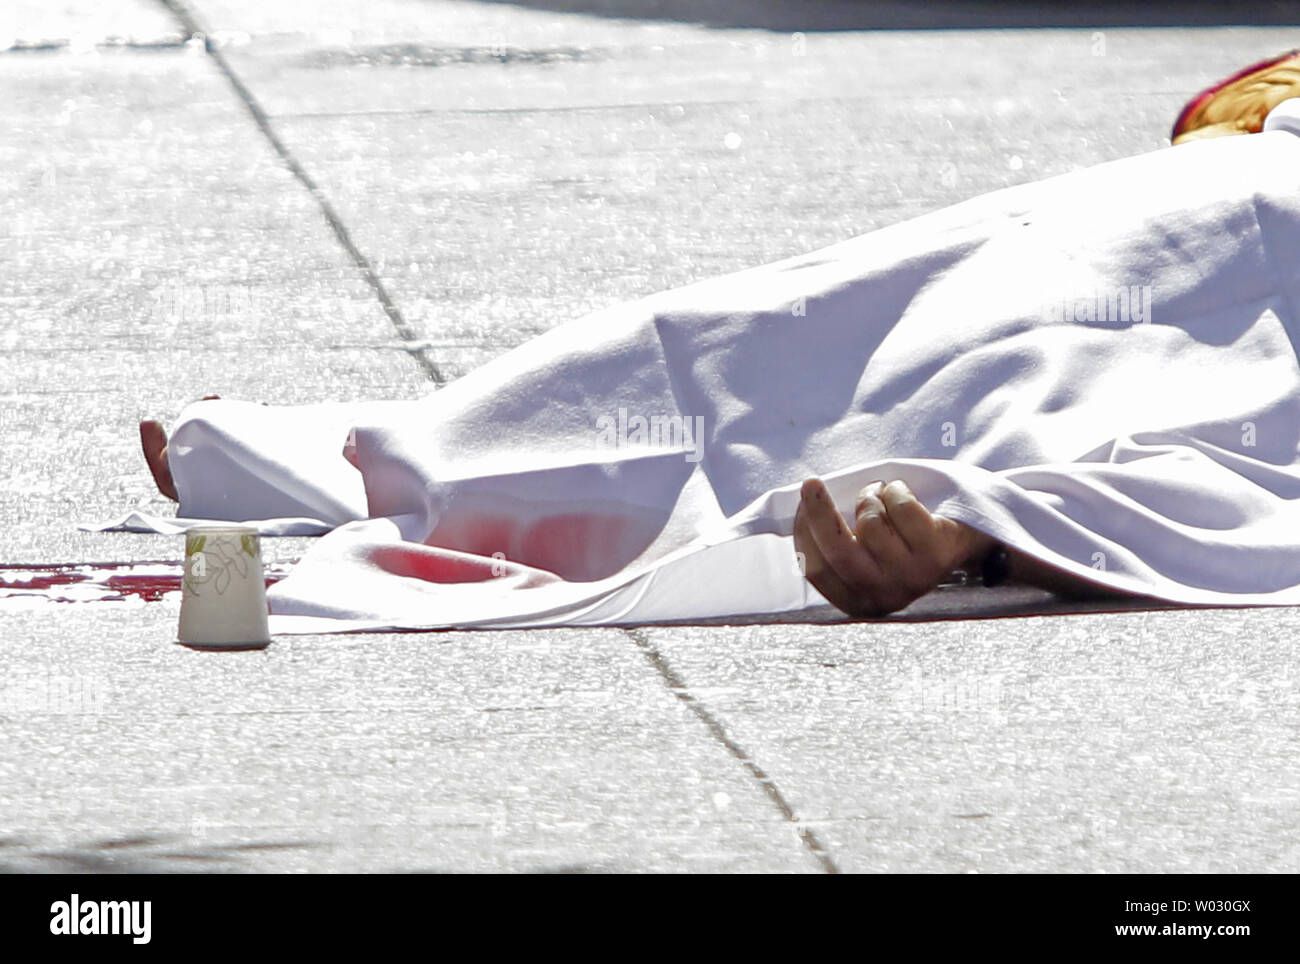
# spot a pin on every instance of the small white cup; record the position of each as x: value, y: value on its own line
x: 223, y: 592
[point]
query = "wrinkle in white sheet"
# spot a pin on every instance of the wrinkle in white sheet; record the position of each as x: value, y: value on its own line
x: 1099, y: 370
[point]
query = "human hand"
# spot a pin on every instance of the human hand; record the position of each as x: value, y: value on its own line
x: 896, y: 552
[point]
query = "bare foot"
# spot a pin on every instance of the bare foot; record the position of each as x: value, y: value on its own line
x: 153, y: 439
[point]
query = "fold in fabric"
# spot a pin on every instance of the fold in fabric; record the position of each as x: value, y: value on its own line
x: 1100, y: 370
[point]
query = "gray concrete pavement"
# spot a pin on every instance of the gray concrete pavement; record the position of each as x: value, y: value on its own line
x: 502, y: 168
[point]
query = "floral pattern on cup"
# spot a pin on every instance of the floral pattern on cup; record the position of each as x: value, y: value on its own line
x: 212, y: 562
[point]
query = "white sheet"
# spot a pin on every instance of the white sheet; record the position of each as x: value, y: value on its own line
x: 1155, y: 448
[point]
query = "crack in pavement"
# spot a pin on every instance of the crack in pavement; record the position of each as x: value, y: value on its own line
x: 677, y: 686
x: 194, y: 30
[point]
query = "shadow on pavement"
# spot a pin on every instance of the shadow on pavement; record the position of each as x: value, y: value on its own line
x: 944, y: 14
x: 959, y: 602
x: 154, y: 853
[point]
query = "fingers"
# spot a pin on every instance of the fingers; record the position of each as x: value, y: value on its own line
x: 938, y: 541
x: 923, y: 533
x: 875, y: 528
x: 834, y: 562
x: 903, y: 536
x: 834, y: 539
x: 890, y: 525
x: 814, y: 566
x: 896, y: 551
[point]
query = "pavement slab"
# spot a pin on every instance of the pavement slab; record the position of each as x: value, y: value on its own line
x: 401, y: 752
x: 1131, y: 743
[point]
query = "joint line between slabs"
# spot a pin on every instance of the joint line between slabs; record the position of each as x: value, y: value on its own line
x: 677, y: 686
x: 190, y: 25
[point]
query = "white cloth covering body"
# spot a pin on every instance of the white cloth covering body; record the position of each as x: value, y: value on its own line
x: 1099, y: 369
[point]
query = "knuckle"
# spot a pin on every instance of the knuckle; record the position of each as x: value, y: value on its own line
x: 868, y: 493
x: 869, y: 496
x: 870, y: 520
x: 899, y: 491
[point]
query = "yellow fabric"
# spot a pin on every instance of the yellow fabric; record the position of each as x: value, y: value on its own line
x: 1241, y: 106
